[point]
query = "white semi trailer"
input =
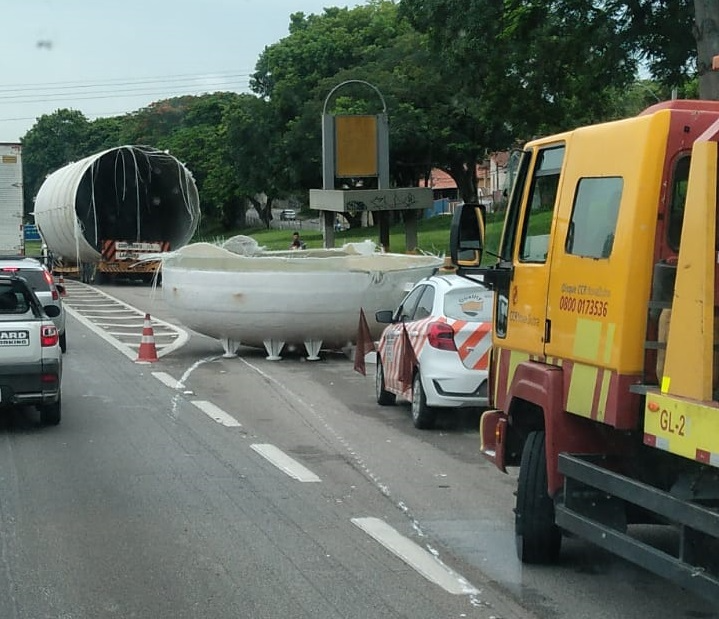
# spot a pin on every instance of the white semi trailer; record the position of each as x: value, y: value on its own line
x: 11, y: 200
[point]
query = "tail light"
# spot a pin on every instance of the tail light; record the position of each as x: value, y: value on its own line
x: 51, y: 282
x: 440, y: 335
x: 49, y: 336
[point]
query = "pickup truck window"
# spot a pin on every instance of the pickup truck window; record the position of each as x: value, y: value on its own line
x: 12, y: 302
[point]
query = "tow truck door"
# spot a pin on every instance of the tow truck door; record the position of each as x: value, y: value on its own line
x: 525, y: 250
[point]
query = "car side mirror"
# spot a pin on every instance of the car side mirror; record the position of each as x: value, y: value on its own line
x: 384, y: 316
x: 52, y: 311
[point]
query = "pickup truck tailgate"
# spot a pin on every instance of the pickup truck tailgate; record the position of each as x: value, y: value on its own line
x: 20, y: 341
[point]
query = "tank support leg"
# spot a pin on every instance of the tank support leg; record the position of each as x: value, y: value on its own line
x: 313, y: 349
x: 273, y: 348
x: 230, y: 347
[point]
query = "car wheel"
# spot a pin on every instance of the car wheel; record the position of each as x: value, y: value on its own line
x: 384, y: 397
x: 50, y: 414
x: 423, y: 416
x: 63, y: 342
x: 538, y: 538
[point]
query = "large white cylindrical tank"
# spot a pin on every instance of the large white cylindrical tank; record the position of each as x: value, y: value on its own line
x: 130, y: 193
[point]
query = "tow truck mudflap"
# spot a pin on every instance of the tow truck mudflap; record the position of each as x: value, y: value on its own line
x: 493, y: 434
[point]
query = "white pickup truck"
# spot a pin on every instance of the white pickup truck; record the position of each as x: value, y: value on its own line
x: 30, y: 355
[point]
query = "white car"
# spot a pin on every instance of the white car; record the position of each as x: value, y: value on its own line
x: 30, y: 356
x: 447, y: 319
x: 288, y: 214
x: 43, y: 285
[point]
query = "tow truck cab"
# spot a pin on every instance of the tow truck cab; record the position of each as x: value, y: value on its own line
x: 604, y: 371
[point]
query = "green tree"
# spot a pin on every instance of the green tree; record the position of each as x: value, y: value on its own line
x: 538, y: 65
x: 255, y: 145
x: 676, y: 40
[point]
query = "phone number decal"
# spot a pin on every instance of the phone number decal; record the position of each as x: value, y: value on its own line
x: 585, y: 307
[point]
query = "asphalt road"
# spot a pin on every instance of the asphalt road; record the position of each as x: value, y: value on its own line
x: 270, y: 489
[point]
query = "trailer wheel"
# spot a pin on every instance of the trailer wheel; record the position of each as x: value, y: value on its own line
x: 384, y: 397
x: 538, y: 538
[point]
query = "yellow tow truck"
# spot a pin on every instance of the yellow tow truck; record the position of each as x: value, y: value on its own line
x: 605, y: 372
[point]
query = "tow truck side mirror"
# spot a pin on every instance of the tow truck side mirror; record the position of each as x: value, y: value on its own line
x: 466, y: 237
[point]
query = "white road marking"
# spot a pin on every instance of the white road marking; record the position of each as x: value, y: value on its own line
x: 286, y: 464
x: 427, y: 564
x: 130, y: 351
x: 216, y: 413
x: 166, y: 379
x: 125, y: 350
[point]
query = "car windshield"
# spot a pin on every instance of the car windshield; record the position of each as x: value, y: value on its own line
x: 471, y: 304
x: 35, y: 279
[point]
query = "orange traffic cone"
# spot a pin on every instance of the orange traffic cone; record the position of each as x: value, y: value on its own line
x: 147, y: 352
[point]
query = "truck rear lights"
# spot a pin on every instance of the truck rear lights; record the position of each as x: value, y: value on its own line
x: 49, y: 336
x: 441, y: 336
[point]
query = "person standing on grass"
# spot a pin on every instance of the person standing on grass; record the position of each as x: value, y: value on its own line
x: 297, y: 242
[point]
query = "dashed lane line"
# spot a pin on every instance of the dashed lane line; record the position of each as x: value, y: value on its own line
x: 419, y: 559
x: 424, y: 562
x: 167, y: 380
x: 286, y: 464
x: 216, y: 413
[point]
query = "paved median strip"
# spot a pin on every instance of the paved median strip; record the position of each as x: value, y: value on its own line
x: 286, y: 464
x: 415, y: 556
x: 216, y: 413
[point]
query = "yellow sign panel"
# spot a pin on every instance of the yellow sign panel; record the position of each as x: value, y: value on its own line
x: 356, y: 146
x: 683, y: 427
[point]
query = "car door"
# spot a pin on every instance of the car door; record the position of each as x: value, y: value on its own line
x: 391, y: 351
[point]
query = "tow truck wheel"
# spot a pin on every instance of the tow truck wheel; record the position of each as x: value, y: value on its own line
x: 50, y: 414
x: 538, y: 538
x: 384, y: 397
x: 423, y: 416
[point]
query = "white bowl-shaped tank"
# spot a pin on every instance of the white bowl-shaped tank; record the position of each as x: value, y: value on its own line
x: 287, y: 297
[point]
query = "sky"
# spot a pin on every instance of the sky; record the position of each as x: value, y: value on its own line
x: 108, y: 58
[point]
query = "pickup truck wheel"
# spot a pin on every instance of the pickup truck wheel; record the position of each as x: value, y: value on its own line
x: 63, y: 342
x: 423, y: 416
x: 538, y: 538
x: 50, y: 414
x: 384, y: 397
